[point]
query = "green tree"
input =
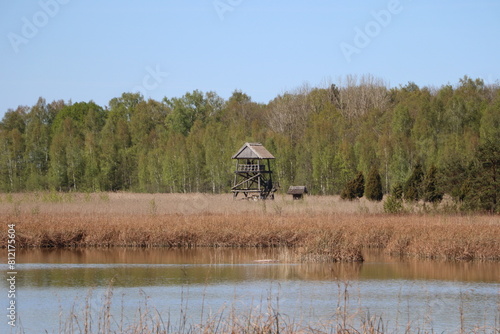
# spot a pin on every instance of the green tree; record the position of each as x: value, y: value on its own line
x: 193, y: 107
x: 353, y: 189
x: 373, y: 189
x: 284, y: 168
x: 196, y: 159
x: 148, y: 131
x: 490, y: 121
x: 175, y: 163
x: 413, y: 186
x: 322, y: 143
x: 455, y: 179
x: 12, y: 150
x: 66, y: 156
x: 12, y: 160
x: 484, y: 184
x: 349, y: 191
x: 218, y: 151
x: 15, y: 119
x: 359, y: 185
x: 146, y: 118
x: 403, y: 152
x: 397, y: 191
x: 118, y: 163
x: 37, y: 146
x: 73, y: 150
x: 431, y: 189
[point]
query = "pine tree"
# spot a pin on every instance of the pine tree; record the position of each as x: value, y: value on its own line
x: 373, y: 189
x: 455, y: 180
x: 349, y: 191
x: 397, y: 191
x: 359, y: 185
x: 355, y: 188
x: 413, y: 186
x: 482, y: 191
x: 431, y: 190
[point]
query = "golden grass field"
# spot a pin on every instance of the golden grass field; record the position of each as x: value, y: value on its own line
x: 318, y: 228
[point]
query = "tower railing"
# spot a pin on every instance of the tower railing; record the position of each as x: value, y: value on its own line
x: 250, y: 168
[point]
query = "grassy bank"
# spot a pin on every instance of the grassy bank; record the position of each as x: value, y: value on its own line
x: 318, y: 229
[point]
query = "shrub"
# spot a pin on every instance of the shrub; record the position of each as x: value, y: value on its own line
x: 393, y: 205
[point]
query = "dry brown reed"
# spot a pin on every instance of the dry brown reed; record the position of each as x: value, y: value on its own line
x: 316, y: 238
x: 316, y: 229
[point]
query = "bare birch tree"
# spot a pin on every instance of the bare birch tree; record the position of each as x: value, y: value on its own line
x: 355, y: 97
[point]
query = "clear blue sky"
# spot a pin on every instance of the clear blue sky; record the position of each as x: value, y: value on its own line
x: 96, y: 50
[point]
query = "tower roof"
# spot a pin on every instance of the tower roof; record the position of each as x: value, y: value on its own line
x: 253, y: 151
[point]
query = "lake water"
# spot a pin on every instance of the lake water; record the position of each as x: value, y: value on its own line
x: 61, y: 288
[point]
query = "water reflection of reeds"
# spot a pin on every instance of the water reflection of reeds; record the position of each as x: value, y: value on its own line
x: 138, y: 267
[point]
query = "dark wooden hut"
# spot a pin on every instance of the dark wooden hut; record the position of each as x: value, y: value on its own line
x: 297, y: 191
x: 253, y: 175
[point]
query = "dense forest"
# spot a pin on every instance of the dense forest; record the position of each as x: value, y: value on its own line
x: 321, y: 137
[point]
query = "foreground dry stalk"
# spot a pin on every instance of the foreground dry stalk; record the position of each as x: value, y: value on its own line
x: 267, y: 317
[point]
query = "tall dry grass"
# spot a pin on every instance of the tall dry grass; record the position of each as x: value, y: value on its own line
x: 318, y: 229
x: 134, y: 203
x: 317, y: 238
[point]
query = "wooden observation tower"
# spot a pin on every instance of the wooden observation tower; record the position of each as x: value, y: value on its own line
x: 253, y: 175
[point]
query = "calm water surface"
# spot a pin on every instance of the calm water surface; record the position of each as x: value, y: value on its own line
x: 442, y: 296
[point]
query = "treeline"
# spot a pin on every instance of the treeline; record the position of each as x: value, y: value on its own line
x: 322, y: 138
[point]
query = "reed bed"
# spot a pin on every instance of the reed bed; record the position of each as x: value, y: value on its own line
x: 313, y: 238
x: 317, y: 229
